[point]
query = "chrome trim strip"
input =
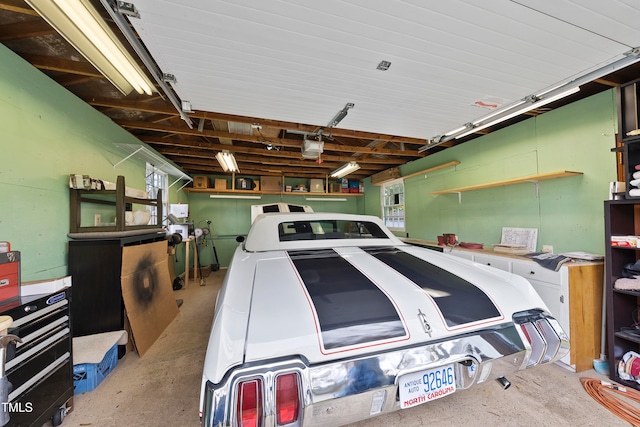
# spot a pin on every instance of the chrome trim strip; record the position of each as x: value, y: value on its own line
x: 341, y: 392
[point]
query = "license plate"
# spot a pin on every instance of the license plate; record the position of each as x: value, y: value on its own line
x: 424, y: 386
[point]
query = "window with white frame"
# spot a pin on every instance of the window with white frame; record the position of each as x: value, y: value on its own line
x: 157, y: 180
x: 392, y: 197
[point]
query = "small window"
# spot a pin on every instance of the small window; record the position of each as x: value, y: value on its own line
x: 157, y: 180
x: 392, y: 199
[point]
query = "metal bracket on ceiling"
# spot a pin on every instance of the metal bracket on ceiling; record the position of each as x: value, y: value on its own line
x: 123, y: 24
x: 633, y: 52
x: 128, y: 9
x: 169, y: 78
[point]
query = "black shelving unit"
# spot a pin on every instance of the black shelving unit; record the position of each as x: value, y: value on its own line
x: 629, y: 110
x: 629, y: 122
x: 622, y: 218
x: 95, y: 265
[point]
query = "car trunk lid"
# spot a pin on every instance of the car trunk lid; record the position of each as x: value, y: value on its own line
x: 332, y: 303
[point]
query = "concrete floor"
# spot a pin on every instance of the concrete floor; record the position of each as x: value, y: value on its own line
x: 162, y: 388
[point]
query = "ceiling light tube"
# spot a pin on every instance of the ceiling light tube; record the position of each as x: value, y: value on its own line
x: 326, y: 199
x: 125, y: 26
x: 227, y: 161
x: 83, y: 27
x: 234, y: 196
x: 519, y: 111
x: 500, y: 111
x: 345, y: 169
x: 627, y: 58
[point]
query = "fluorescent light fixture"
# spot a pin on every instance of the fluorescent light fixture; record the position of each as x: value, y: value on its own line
x: 522, y: 110
x: 227, y: 161
x: 545, y: 96
x: 235, y: 196
x: 82, y: 26
x: 499, y: 111
x: 345, y: 169
x: 326, y: 199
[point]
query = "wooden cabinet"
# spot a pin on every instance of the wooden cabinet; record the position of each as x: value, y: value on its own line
x: 573, y: 295
x: 622, y: 218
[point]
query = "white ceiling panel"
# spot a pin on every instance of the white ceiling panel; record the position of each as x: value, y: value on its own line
x: 302, y: 61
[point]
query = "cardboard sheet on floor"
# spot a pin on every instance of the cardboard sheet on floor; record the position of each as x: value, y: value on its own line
x: 147, y: 292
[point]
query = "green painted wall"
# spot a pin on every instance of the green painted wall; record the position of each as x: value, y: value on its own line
x: 48, y: 133
x: 568, y: 212
x: 232, y: 217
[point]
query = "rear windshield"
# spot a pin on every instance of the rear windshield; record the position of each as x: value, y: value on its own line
x: 329, y: 229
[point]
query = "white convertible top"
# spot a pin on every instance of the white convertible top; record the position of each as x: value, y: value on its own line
x: 265, y: 233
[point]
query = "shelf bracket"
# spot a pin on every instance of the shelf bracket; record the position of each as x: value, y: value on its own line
x: 537, y: 185
x: 459, y: 193
x: 128, y: 157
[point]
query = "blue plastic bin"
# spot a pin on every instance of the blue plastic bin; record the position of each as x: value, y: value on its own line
x: 87, y: 376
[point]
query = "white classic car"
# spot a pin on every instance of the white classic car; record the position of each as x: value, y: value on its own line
x: 325, y: 319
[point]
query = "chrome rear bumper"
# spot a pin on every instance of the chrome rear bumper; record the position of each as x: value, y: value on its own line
x: 347, y: 391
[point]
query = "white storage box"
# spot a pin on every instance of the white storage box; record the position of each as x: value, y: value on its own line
x: 316, y: 185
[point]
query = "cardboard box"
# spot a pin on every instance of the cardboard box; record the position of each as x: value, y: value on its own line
x: 271, y: 183
x: 220, y: 184
x: 200, y: 182
x: 147, y: 292
x: 334, y: 187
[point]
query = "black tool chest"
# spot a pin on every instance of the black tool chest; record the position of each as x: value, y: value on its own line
x: 40, y: 368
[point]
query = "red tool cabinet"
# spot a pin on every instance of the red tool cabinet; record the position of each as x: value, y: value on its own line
x: 9, y: 275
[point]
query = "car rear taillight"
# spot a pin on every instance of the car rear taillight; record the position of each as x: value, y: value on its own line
x: 249, y: 407
x: 537, y: 342
x: 287, y: 399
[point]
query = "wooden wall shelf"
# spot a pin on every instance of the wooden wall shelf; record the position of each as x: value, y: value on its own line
x: 270, y: 193
x: 117, y: 198
x: 422, y: 172
x: 531, y: 178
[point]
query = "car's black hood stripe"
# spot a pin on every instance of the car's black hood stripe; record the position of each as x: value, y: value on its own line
x: 350, y: 308
x: 459, y: 301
